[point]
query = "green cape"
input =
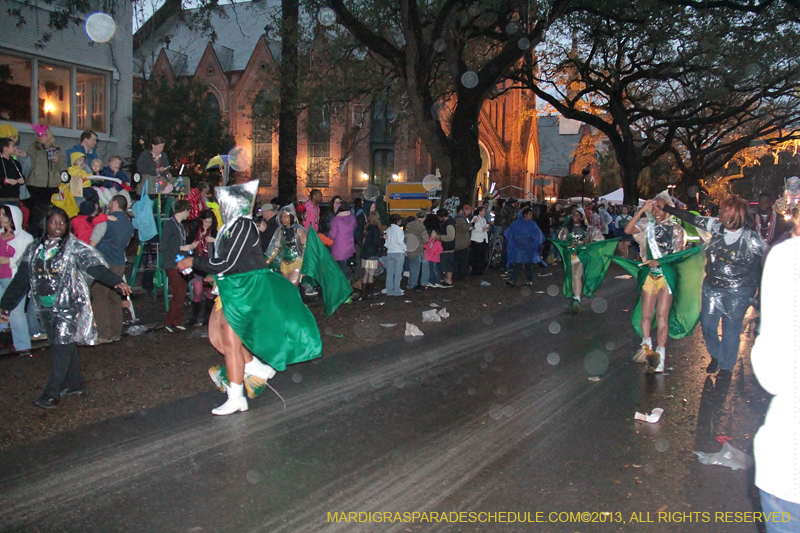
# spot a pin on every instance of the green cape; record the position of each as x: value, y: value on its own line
x: 684, y: 272
x: 267, y: 313
x: 318, y: 264
x: 593, y: 255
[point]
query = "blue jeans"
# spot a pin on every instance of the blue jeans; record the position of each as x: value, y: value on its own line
x: 431, y: 273
x: 414, y: 268
x: 34, y: 327
x: 730, y: 306
x: 394, y: 273
x: 773, y: 504
x: 17, y: 321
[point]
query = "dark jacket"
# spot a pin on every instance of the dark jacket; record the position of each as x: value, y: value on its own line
x: 11, y: 170
x: 372, y: 243
x: 173, y: 236
x: 239, y: 252
x: 116, y: 238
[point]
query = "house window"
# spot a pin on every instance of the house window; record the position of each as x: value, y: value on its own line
x: 91, y: 89
x: 319, y: 147
x: 52, y: 99
x: 15, y: 89
x: 262, y: 141
x: 54, y: 95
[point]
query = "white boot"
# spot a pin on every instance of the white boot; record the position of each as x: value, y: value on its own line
x: 661, y: 356
x: 236, y: 401
x: 258, y: 369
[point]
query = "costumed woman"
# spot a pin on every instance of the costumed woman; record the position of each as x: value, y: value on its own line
x: 58, y: 269
x: 661, y: 239
x: 585, y: 255
x: 285, y: 252
x: 258, y: 313
x: 734, y: 252
x: 524, y: 239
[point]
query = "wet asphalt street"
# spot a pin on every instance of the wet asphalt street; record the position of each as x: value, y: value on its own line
x: 496, y: 416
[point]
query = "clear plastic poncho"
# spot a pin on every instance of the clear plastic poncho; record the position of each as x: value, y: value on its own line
x: 735, y: 265
x: 235, y: 202
x: 64, y: 276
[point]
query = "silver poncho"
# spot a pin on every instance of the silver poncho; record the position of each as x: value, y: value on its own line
x: 64, y: 276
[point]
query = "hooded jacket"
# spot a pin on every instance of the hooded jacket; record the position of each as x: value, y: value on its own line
x: 44, y: 172
x: 21, y: 239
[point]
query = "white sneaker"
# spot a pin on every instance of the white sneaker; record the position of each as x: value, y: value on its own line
x: 406, y: 274
x: 260, y: 370
x: 39, y: 337
x: 383, y: 291
x: 436, y: 286
x: 236, y: 401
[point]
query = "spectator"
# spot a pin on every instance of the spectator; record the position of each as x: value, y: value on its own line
x: 332, y: 211
x: 84, y: 222
x: 395, y: 254
x: 45, y: 174
x: 623, y: 246
x: 448, y: 240
x: 342, y: 228
x: 203, y: 234
x: 197, y: 199
x: 605, y: 220
x: 173, y: 244
x: 312, y: 210
x: 433, y: 252
x: 113, y: 170
x: 154, y: 162
x: 776, y: 365
x: 524, y: 238
x: 111, y: 239
x: 416, y: 237
x: 768, y: 223
x: 54, y: 269
x: 13, y: 243
x: 87, y: 145
x: 370, y: 253
x: 479, y: 242
x: 12, y: 173
x: 267, y: 226
x: 463, y: 233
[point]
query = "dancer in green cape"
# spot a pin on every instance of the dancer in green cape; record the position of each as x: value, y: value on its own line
x: 665, y: 268
x: 584, y: 253
x: 258, y: 311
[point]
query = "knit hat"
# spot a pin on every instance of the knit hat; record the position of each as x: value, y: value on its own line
x: 86, y: 208
x: 74, y: 156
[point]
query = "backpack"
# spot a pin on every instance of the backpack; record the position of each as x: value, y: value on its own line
x: 143, y: 219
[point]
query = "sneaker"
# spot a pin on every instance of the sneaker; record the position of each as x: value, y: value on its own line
x: 510, y: 283
x: 39, y: 337
x: 574, y: 307
x: 46, y: 403
x: 383, y: 291
x: 72, y: 392
x: 446, y: 285
x: 170, y: 329
x: 713, y: 366
x: 310, y: 292
x: 25, y: 353
x: 436, y: 285
x: 173, y: 329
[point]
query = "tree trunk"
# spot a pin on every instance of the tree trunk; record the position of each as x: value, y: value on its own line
x: 287, y: 127
x: 464, y: 150
x: 629, y: 172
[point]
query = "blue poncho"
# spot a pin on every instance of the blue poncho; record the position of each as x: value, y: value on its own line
x: 524, y: 238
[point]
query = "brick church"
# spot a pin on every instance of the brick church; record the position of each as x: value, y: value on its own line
x: 352, y: 147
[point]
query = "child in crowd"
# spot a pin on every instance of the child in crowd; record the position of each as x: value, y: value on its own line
x: 79, y: 174
x: 87, y: 218
x: 113, y: 171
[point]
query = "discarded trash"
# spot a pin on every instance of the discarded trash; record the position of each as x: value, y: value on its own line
x: 545, y: 275
x: 652, y: 418
x: 377, y: 304
x: 434, y: 305
x: 723, y: 439
x: 727, y: 456
x: 413, y: 331
x: 445, y: 300
x: 485, y: 284
x: 539, y: 292
x: 431, y: 316
x: 623, y: 276
x: 594, y: 378
x: 388, y: 325
x: 443, y: 312
x: 407, y: 301
x: 136, y: 330
x: 337, y: 336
